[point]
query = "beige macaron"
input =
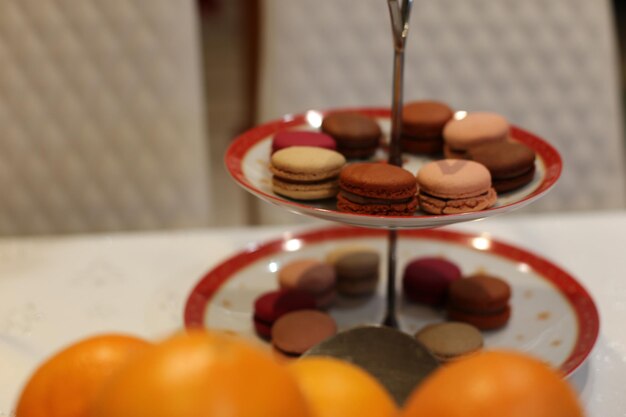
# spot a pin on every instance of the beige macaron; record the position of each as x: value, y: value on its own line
x: 450, y: 340
x: 306, y: 172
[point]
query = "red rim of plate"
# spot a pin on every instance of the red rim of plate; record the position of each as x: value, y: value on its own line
x: 578, y: 297
x: 238, y: 149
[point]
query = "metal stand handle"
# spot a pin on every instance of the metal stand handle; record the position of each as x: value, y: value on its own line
x: 400, y: 15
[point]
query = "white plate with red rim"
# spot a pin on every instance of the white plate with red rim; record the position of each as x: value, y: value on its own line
x: 553, y: 316
x: 247, y: 161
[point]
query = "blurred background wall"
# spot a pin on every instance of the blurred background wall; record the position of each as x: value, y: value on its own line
x: 230, y: 35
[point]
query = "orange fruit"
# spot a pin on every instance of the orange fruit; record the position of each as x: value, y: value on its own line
x: 66, y: 384
x: 334, y: 388
x: 202, y: 373
x: 494, y: 384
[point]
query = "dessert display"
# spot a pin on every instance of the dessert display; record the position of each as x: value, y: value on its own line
x: 475, y: 128
x: 311, y: 276
x: 357, y: 135
x: 306, y: 172
x: 298, y: 331
x: 453, y: 186
x: 481, y: 300
x: 271, y: 306
x: 357, y: 268
x: 452, y: 340
x: 376, y: 188
x: 422, y: 126
x: 511, y: 164
x: 287, y: 138
x: 426, y: 279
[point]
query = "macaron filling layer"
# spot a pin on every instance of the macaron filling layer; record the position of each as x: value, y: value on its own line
x: 358, y: 199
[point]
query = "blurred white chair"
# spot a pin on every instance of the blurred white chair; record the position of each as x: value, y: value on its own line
x: 549, y: 66
x: 101, y: 116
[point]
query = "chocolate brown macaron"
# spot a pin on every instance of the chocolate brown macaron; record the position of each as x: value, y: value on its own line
x: 377, y: 188
x: 511, y: 164
x: 296, y: 332
x: 357, y: 135
x: 481, y: 300
x: 422, y: 126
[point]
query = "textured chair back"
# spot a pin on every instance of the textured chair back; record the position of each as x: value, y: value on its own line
x: 549, y: 66
x: 101, y: 116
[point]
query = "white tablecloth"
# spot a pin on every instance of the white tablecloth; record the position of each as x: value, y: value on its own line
x: 54, y: 290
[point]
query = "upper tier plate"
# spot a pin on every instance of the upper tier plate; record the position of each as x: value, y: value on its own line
x: 247, y: 160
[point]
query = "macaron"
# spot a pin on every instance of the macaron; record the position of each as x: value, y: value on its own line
x: 306, y: 172
x: 422, y: 126
x: 448, y: 341
x: 511, y: 164
x: 287, y: 138
x: 481, y: 300
x: 452, y: 186
x: 357, y: 268
x: 426, y: 279
x: 376, y: 188
x: 270, y: 306
x: 312, y: 276
x: 474, y: 129
x: 357, y: 135
x: 298, y: 331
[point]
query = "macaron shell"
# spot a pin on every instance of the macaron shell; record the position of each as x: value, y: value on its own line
x: 306, y: 191
x: 453, y: 178
x: 450, y: 340
x: 337, y: 253
x: 297, y: 332
x: 400, y: 209
x: 490, y: 321
x: 358, y: 287
x: 287, y: 138
x: 425, y: 118
x: 504, y: 159
x: 357, y: 264
x: 509, y: 184
x: 479, y: 293
x: 421, y: 146
x: 427, y: 279
x: 377, y: 180
x: 348, y: 128
x: 268, y: 307
x: 434, y: 205
x: 358, y: 153
x: 308, y: 275
x: 306, y: 163
x: 475, y: 128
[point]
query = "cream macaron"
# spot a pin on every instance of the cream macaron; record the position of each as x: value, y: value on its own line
x: 306, y: 172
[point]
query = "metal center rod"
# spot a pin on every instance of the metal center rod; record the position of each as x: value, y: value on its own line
x: 400, y: 15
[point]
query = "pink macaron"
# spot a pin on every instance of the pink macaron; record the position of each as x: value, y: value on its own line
x: 287, y: 138
x: 475, y: 128
x: 310, y: 275
x: 453, y: 186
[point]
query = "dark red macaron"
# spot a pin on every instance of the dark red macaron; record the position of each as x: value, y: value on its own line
x: 287, y: 138
x: 511, y: 164
x: 426, y: 280
x: 270, y: 306
x: 481, y: 300
x: 357, y: 135
x: 377, y: 188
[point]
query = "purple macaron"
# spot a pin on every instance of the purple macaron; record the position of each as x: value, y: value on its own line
x: 286, y: 138
x: 426, y: 280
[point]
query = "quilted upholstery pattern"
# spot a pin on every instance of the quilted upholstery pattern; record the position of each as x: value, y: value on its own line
x: 547, y: 65
x: 101, y: 116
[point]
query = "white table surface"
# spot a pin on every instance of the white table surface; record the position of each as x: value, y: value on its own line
x: 54, y: 290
